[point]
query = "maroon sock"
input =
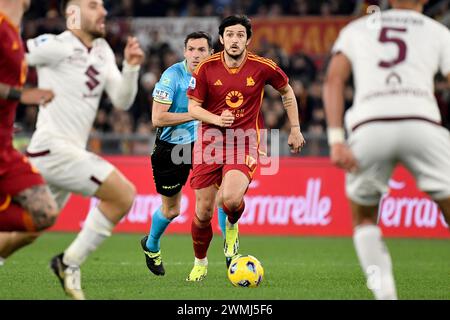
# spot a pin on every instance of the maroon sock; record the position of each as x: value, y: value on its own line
x: 233, y: 217
x: 13, y: 217
x: 202, y: 234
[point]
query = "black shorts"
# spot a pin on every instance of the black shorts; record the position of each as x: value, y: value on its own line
x: 170, y: 177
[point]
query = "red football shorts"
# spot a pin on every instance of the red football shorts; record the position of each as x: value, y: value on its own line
x: 17, y: 175
x: 205, y: 173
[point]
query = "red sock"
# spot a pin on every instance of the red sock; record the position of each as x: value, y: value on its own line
x: 233, y: 217
x: 13, y: 217
x: 201, y: 237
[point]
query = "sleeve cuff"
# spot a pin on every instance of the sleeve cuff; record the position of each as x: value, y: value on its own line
x: 128, y: 67
x: 194, y: 98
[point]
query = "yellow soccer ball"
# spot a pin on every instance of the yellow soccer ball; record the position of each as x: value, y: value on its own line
x: 246, y: 271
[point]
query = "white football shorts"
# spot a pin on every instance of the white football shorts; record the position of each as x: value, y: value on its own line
x: 422, y: 147
x: 68, y: 168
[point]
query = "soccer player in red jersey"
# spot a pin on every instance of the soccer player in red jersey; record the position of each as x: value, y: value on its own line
x: 25, y: 201
x: 226, y: 93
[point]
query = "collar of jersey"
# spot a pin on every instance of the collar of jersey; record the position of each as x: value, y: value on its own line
x: 222, y: 57
x: 82, y: 43
x: 186, y: 67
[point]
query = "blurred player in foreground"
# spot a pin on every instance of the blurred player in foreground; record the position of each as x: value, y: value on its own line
x: 79, y: 65
x: 26, y: 203
x: 394, y: 56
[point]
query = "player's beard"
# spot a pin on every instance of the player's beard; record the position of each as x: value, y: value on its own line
x: 95, y: 33
x: 235, y: 56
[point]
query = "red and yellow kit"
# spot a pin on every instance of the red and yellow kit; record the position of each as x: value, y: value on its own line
x: 16, y: 174
x: 240, y: 90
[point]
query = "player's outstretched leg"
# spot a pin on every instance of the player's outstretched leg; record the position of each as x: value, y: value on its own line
x: 32, y: 209
x: 117, y: 195
x: 372, y: 253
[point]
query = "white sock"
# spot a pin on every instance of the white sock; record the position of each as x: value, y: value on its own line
x: 375, y: 261
x: 95, y: 230
x: 201, y: 262
x: 2, y: 261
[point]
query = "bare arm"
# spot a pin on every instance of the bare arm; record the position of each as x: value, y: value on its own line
x: 196, y: 110
x: 333, y: 96
x: 290, y: 104
x: 295, y: 140
x: 333, y: 90
x: 26, y: 96
x: 161, y: 117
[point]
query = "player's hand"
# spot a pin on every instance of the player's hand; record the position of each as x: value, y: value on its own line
x: 343, y: 157
x: 226, y: 119
x: 36, y: 96
x: 296, y: 140
x: 133, y: 52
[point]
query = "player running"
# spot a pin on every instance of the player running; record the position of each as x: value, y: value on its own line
x: 176, y: 134
x: 394, y: 56
x: 25, y: 200
x: 79, y: 65
x: 226, y: 92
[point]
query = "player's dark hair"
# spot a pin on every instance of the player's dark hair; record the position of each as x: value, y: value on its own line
x: 199, y: 35
x: 234, y: 20
x: 63, y: 6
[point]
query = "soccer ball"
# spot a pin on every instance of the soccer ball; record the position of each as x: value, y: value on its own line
x: 245, y: 271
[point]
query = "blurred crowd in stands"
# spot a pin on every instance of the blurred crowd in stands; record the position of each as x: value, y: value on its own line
x: 306, y: 76
x: 266, y: 8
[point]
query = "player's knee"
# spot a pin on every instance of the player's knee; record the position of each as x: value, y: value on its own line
x: 42, y: 223
x: 202, y: 221
x: 132, y: 192
x: 45, y: 217
x: 127, y: 197
x: 205, y: 212
x: 232, y: 201
x: 172, y: 212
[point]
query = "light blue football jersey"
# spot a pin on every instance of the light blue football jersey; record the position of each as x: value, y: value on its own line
x: 171, y: 90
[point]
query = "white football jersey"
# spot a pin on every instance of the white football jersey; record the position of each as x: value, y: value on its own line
x: 395, y: 55
x: 77, y: 75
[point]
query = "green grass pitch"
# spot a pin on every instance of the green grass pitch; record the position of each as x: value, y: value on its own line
x: 295, y: 268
